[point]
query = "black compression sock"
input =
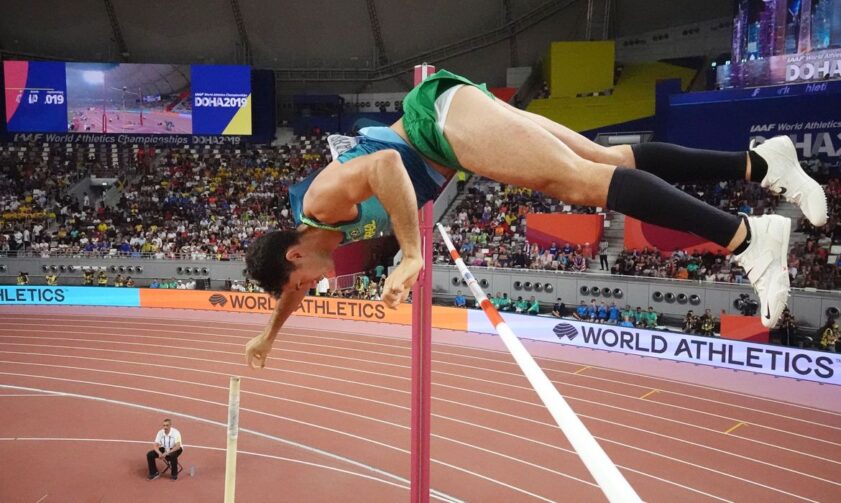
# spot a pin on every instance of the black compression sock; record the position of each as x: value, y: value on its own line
x: 676, y: 164
x: 758, y: 167
x: 644, y: 196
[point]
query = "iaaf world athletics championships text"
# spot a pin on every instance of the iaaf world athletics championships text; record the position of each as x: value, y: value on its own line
x: 125, y: 139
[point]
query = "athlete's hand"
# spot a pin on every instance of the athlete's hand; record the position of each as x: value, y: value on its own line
x: 257, y: 351
x: 399, y: 283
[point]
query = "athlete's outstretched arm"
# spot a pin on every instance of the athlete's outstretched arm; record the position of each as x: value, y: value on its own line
x: 257, y: 349
x: 333, y: 196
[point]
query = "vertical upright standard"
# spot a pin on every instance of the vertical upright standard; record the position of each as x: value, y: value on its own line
x: 233, y: 433
x: 421, y: 342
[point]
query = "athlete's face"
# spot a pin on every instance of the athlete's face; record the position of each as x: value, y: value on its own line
x: 310, y: 267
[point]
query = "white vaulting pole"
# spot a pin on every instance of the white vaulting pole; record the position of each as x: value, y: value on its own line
x: 609, y: 478
x: 233, y: 433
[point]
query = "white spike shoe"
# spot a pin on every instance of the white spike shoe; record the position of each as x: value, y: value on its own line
x: 765, y: 261
x: 787, y: 178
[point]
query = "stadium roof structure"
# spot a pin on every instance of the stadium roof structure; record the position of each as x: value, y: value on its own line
x: 324, y: 41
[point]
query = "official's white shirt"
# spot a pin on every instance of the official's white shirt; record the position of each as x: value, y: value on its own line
x: 168, y: 441
x: 323, y: 285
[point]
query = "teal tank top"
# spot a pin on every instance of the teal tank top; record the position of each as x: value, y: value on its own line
x: 371, y: 221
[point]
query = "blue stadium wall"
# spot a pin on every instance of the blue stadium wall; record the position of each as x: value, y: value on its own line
x: 729, y: 119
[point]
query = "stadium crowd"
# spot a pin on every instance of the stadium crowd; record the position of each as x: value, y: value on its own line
x: 488, y: 229
x: 696, y: 266
x: 815, y: 263
x: 188, y: 203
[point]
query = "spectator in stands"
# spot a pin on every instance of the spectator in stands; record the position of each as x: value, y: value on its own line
x: 587, y: 252
x: 737, y: 274
x: 602, y: 313
x: 581, y: 312
x: 627, y: 313
x: 534, y: 306
x: 496, y: 300
x: 579, y: 263
x: 373, y: 291
x: 603, y: 246
x: 592, y: 311
x: 639, y: 317
x: 559, y: 309
x: 650, y: 318
x: 459, y: 300
x: 504, y: 303
x: 613, y: 314
x: 359, y: 287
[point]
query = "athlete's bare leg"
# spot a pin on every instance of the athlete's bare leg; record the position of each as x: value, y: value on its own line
x: 494, y: 141
x: 619, y: 155
x: 501, y: 143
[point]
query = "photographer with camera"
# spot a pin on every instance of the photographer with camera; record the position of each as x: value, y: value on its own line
x: 788, y: 328
x: 828, y: 335
x: 707, y: 323
x: 690, y: 322
x: 746, y: 305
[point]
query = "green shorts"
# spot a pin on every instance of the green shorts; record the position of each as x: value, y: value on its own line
x: 420, y: 119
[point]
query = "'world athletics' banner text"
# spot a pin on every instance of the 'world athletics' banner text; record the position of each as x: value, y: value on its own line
x: 738, y: 355
x: 69, y: 296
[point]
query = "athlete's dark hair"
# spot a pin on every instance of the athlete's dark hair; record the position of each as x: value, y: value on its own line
x: 266, y: 260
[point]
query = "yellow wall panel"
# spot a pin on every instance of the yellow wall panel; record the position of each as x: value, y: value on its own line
x: 580, y: 67
x: 632, y: 98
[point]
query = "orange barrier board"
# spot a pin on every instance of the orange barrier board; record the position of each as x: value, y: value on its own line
x: 743, y: 328
x: 321, y: 307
